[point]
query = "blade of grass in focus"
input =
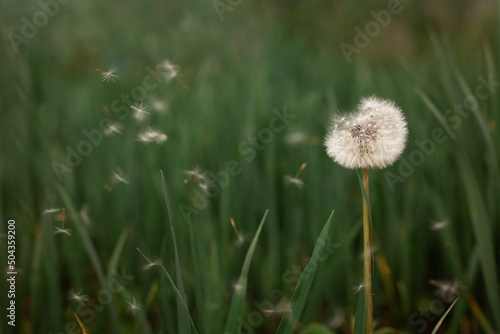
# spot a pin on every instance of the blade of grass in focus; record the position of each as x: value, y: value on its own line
x: 238, y: 300
x: 299, y: 298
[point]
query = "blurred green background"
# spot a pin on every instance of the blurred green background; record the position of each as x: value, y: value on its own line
x: 236, y: 62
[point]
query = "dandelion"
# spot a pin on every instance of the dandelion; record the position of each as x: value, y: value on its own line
x: 374, y: 136
x: 58, y: 230
x: 151, y: 265
x: 108, y: 76
x: 113, y: 128
x: 435, y: 226
x: 134, y: 306
x: 76, y: 296
x: 150, y: 136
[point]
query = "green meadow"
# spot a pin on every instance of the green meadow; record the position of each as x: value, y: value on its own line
x: 163, y: 162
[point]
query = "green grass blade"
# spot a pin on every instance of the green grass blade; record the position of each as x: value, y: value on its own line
x: 434, y: 331
x: 182, y: 313
x: 89, y: 248
x: 298, y: 301
x: 482, y: 230
x: 238, y: 299
x: 82, y: 326
x: 178, y: 293
x: 117, y: 251
x: 360, y: 320
x: 436, y: 113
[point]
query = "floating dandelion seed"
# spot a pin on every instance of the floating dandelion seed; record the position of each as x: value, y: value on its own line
x: 151, y: 265
x: 171, y: 70
x: 58, y: 230
x: 295, y: 179
x: 372, y: 137
x: 358, y: 287
x: 84, y: 213
x: 447, y: 290
x: 240, y: 239
x: 113, y: 128
x: 150, y: 135
x: 435, y: 226
x: 76, y: 296
x: 140, y: 112
x: 296, y: 137
x: 51, y: 210
x: 118, y: 176
x: 194, y: 174
x: 108, y: 76
x: 133, y: 306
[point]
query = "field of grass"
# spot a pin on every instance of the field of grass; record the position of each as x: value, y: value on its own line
x: 244, y: 94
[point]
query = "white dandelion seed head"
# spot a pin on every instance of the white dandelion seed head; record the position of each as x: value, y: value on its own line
x: 151, y: 136
x: 58, y: 230
x: 140, y: 112
x: 113, y: 128
x: 109, y: 75
x: 287, y: 179
x: 373, y: 136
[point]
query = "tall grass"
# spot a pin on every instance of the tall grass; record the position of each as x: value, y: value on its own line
x: 233, y: 74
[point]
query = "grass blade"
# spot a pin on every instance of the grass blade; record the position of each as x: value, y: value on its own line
x: 360, y: 320
x: 89, y: 248
x: 434, y: 331
x: 482, y: 230
x: 298, y: 301
x: 182, y: 313
x: 82, y: 326
x: 117, y: 251
x: 238, y: 299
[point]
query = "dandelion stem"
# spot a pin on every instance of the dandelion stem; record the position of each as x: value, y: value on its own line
x: 367, y: 252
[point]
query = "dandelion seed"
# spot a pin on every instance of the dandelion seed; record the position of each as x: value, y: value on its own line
x: 108, y: 76
x: 435, y: 226
x: 76, y: 296
x: 134, y: 306
x: 51, y: 210
x: 237, y: 287
x: 150, y: 136
x: 113, y: 128
x: 84, y: 214
x: 159, y: 106
x: 287, y: 179
x: 140, y: 112
x: 151, y: 265
x: 372, y: 137
x: 358, y: 287
x: 171, y: 70
x: 118, y: 176
x: 240, y: 238
x: 195, y: 174
x: 447, y: 290
x: 58, y: 230
x: 295, y: 138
